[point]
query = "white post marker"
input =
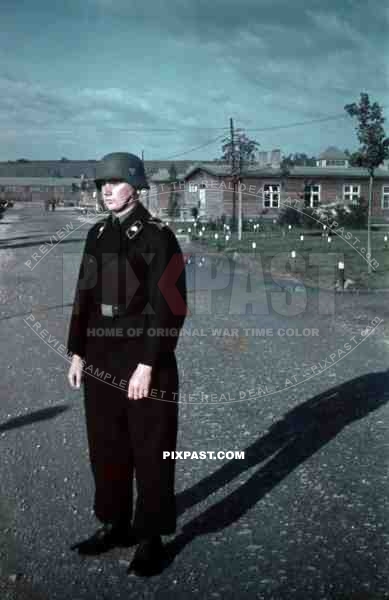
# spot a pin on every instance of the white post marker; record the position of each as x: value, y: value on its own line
x: 341, y: 272
x: 293, y: 255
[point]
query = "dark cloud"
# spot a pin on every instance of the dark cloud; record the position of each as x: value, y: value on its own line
x: 108, y: 66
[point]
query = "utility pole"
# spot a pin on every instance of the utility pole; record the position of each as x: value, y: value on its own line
x: 240, y: 165
x: 234, y: 174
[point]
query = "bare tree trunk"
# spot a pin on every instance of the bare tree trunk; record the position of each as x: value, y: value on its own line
x: 369, y: 223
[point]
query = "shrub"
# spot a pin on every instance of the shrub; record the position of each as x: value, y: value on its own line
x: 289, y: 216
x: 310, y: 218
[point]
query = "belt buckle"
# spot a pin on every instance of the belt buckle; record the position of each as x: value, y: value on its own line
x: 107, y: 310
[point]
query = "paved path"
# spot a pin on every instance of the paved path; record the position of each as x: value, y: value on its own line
x: 303, y: 516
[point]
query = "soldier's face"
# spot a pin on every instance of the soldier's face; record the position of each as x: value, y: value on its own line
x: 117, y: 193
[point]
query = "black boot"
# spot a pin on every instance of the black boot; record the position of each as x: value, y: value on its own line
x: 149, y: 557
x: 107, y: 537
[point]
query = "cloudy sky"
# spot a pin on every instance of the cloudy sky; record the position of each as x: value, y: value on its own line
x: 82, y: 79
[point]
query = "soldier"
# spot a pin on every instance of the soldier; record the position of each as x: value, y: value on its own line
x: 131, y: 283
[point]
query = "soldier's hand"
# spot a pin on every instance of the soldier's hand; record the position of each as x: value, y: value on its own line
x: 139, y: 384
x: 75, y: 372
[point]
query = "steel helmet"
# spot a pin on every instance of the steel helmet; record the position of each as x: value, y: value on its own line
x: 124, y: 166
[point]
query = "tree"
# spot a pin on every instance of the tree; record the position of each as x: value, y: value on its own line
x: 245, y: 148
x: 373, y: 150
x: 290, y: 216
x: 238, y: 153
x: 299, y: 159
x: 284, y: 174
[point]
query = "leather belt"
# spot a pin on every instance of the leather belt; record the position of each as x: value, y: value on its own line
x: 119, y: 310
x: 113, y: 310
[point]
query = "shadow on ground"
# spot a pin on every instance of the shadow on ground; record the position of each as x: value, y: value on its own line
x: 4, y: 245
x: 41, y: 310
x: 292, y: 440
x: 38, y: 415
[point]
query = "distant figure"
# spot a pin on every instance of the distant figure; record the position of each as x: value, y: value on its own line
x: 53, y: 204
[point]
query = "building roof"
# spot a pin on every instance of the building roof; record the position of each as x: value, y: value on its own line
x: 36, y: 181
x: 48, y: 168
x: 75, y: 168
x: 345, y: 172
x: 215, y: 168
x: 161, y: 174
x: 333, y: 153
x: 253, y: 171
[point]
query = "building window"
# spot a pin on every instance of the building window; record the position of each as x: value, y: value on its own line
x: 351, y: 194
x: 271, y: 197
x: 193, y: 187
x: 336, y: 163
x: 312, y: 195
x: 385, y: 196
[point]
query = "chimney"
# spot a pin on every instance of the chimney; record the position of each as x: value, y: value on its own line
x: 275, y: 158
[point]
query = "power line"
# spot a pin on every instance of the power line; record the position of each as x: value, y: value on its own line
x: 209, y: 143
x: 298, y: 124
x: 271, y: 128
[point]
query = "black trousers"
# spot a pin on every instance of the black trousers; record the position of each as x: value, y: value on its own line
x: 128, y: 437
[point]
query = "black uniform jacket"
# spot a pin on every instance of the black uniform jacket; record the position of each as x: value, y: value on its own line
x: 138, y: 267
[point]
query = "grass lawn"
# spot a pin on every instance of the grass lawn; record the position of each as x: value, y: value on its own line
x: 316, y: 262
